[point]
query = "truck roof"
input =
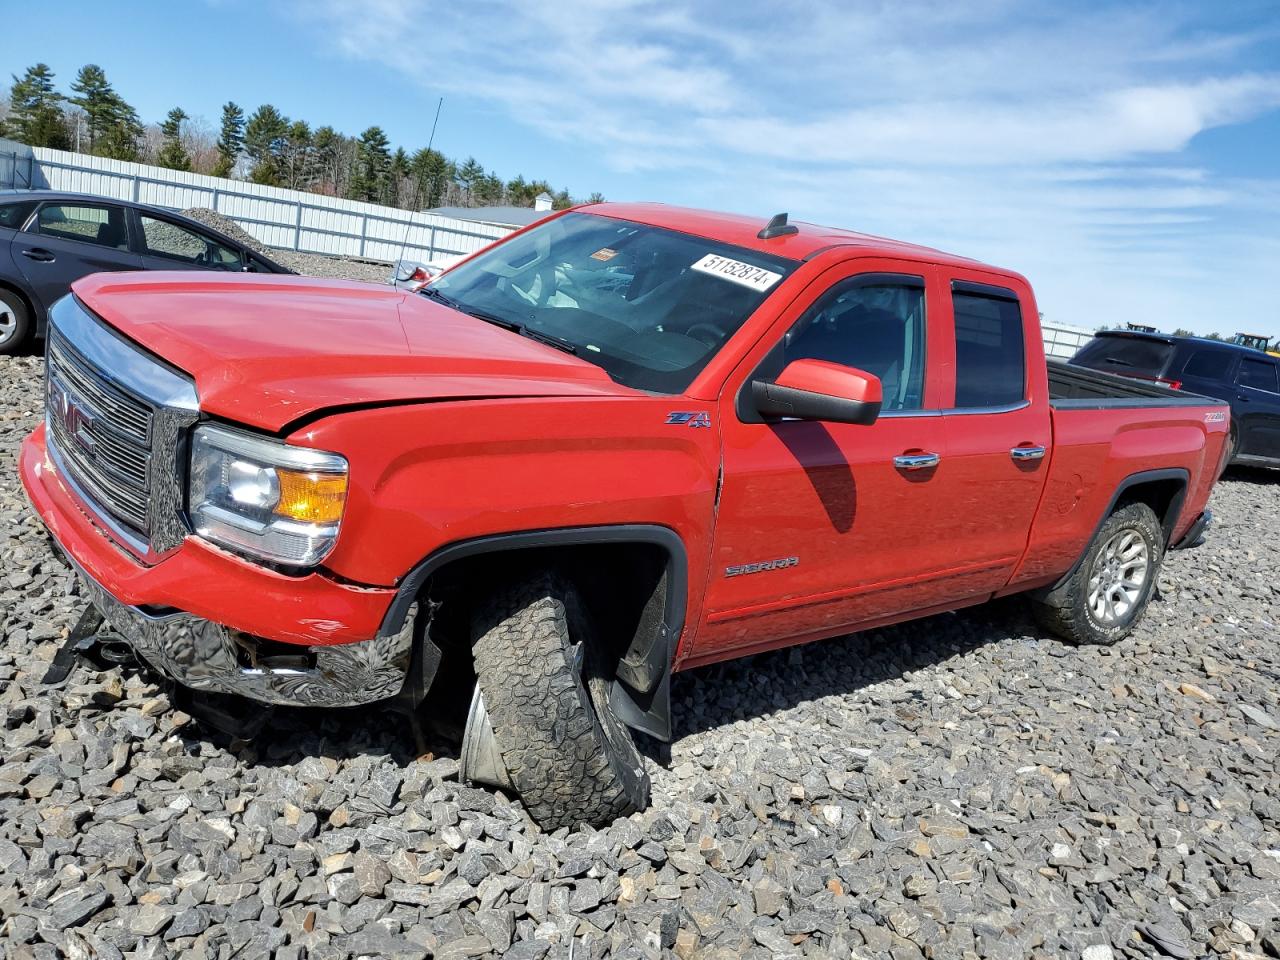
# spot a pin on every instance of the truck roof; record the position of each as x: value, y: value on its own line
x: 743, y: 231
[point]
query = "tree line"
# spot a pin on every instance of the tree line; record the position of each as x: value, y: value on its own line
x: 264, y: 147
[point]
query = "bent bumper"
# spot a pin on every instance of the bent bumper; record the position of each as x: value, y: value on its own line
x: 207, y: 656
x: 303, y: 641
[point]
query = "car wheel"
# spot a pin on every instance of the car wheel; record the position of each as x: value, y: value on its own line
x: 1105, y: 597
x: 15, y: 322
x: 540, y: 721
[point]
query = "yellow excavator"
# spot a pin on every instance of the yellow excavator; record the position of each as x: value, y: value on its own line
x: 1257, y: 341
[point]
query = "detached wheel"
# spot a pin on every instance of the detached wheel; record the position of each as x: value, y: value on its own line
x: 540, y: 718
x: 15, y: 322
x: 1106, y: 596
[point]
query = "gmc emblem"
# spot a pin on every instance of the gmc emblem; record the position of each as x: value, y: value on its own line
x: 77, y: 421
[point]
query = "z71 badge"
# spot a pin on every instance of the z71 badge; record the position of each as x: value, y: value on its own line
x: 744, y: 568
x: 694, y: 418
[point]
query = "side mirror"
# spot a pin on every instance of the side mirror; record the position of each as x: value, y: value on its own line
x: 820, y: 390
x: 405, y: 269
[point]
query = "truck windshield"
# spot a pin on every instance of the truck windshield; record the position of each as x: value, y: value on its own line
x: 1133, y: 356
x: 650, y: 306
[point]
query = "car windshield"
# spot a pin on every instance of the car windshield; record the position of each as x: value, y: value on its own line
x: 650, y: 306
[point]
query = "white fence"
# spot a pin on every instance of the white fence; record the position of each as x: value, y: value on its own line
x: 286, y: 219
x: 1061, y: 340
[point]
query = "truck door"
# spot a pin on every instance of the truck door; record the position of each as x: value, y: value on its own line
x: 824, y: 526
x: 997, y: 428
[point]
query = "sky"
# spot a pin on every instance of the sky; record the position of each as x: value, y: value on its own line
x: 1125, y: 157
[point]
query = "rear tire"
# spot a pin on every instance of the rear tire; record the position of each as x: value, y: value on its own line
x: 545, y: 686
x: 15, y: 322
x: 1105, y: 597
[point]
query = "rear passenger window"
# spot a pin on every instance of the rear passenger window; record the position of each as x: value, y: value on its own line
x: 87, y: 223
x: 1258, y: 374
x: 1209, y: 364
x: 991, y: 358
x: 876, y: 327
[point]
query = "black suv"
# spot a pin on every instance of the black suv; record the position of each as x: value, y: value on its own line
x: 1247, y: 379
x: 49, y: 240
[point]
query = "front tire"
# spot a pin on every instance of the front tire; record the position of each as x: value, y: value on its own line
x: 15, y: 322
x: 1102, y: 601
x: 545, y: 689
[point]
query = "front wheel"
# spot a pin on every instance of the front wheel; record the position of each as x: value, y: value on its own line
x: 540, y: 721
x: 1105, y: 597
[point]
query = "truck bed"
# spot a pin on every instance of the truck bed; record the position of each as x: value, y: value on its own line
x: 1079, y: 388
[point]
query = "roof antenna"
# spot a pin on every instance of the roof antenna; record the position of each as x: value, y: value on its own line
x: 409, y: 223
x: 777, y: 227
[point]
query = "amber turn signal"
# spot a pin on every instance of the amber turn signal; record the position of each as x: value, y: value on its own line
x: 311, y: 497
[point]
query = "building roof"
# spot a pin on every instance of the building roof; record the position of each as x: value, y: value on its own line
x: 503, y: 216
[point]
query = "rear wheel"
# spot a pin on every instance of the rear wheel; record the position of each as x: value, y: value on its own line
x: 15, y: 322
x: 1105, y: 597
x: 540, y: 721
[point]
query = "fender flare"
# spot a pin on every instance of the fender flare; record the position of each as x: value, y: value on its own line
x: 641, y: 695
x: 1168, y: 522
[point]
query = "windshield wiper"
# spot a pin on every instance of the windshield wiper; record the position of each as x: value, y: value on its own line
x: 444, y: 298
x: 524, y: 330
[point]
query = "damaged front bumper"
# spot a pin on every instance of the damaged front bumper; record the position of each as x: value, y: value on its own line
x: 210, y: 657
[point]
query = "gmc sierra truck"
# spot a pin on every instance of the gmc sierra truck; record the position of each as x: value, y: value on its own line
x: 628, y: 440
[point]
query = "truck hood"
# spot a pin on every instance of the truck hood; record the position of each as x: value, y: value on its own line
x: 268, y: 350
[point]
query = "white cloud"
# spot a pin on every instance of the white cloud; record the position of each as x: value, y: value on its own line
x: 1045, y: 136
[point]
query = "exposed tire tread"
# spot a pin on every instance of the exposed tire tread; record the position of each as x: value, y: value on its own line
x: 1063, y: 611
x: 567, y: 768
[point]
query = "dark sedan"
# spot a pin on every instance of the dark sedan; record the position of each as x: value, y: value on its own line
x: 48, y: 240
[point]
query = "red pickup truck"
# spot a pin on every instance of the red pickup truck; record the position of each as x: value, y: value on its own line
x: 625, y: 441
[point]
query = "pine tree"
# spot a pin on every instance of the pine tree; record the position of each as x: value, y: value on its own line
x: 468, y: 176
x: 561, y: 200
x: 173, y: 154
x: 264, y: 140
x: 230, y: 139
x: 120, y: 140
x: 372, y: 167
x: 430, y: 171
x: 35, y: 116
x: 298, y: 155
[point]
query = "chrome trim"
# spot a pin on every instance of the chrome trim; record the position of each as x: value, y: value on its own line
x: 275, y: 453
x: 998, y: 408
x: 916, y: 461
x: 205, y: 655
x: 1027, y: 453
x: 131, y: 379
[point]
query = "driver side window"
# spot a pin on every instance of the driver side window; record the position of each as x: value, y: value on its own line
x: 874, y: 325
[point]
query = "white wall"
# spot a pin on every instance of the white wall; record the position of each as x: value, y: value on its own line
x: 288, y: 219
x: 1062, y: 340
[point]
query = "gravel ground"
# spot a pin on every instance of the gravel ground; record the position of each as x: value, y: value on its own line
x: 958, y: 787
x: 308, y: 264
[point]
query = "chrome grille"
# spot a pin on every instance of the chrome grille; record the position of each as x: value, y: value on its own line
x: 118, y: 420
x: 102, y: 433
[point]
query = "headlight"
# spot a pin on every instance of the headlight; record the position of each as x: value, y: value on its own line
x: 265, y: 498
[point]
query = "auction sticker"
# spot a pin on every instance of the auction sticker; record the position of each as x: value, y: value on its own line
x: 757, y: 278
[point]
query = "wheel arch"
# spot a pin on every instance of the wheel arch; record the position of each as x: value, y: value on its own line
x: 641, y: 692
x: 38, y: 316
x: 1162, y: 490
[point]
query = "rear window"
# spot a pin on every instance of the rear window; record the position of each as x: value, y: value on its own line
x: 14, y: 215
x: 1126, y: 355
x: 1208, y: 364
x: 1258, y: 374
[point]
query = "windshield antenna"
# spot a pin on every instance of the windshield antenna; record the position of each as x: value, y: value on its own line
x: 409, y: 225
x: 777, y: 227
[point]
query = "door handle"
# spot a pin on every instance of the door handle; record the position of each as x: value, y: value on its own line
x: 916, y: 461
x: 1020, y: 454
x: 38, y: 253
